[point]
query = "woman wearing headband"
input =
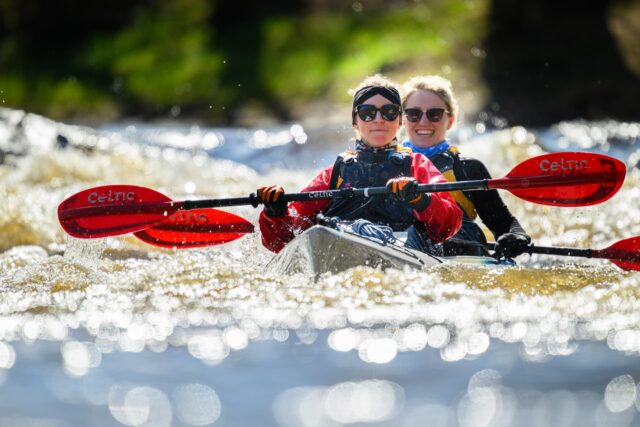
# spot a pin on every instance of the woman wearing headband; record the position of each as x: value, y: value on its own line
x: 430, y: 110
x: 377, y: 161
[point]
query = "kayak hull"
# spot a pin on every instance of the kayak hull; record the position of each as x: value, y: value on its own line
x: 321, y: 250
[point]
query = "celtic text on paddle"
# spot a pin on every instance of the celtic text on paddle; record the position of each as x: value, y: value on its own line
x: 320, y: 194
x: 182, y: 217
x: 111, y: 197
x: 563, y: 165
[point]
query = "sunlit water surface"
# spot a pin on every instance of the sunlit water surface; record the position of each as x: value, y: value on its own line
x: 111, y: 332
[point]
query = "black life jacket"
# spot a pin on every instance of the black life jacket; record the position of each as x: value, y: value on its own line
x: 451, y: 167
x: 365, y: 169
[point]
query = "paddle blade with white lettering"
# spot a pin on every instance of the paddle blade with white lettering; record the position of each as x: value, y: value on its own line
x: 565, y: 179
x: 113, y: 210
x: 196, y: 228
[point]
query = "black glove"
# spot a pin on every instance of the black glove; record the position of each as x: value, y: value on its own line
x: 272, y: 197
x: 510, y: 245
x: 404, y: 189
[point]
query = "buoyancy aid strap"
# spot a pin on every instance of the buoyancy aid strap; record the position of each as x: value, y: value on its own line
x: 405, y: 152
x: 454, y: 150
x: 344, y: 157
x: 403, y: 149
x: 452, y: 175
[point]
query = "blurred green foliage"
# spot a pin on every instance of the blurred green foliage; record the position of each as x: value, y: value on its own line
x: 173, y: 57
x: 328, y: 52
x: 213, y: 60
x: 165, y: 57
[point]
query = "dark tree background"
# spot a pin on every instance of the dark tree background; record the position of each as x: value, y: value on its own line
x: 556, y: 60
x: 239, y: 28
x: 545, y: 61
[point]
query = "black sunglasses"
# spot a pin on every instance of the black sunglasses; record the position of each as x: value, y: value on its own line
x: 433, y: 114
x: 388, y: 112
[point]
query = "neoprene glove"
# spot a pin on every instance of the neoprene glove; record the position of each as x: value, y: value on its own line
x: 405, y: 189
x: 272, y: 197
x: 511, y: 245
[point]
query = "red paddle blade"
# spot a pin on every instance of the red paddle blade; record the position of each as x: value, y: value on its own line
x: 112, y: 210
x: 196, y: 228
x: 565, y: 179
x: 625, y: 253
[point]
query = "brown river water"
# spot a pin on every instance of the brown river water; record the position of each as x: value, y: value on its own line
x: 111, y: 332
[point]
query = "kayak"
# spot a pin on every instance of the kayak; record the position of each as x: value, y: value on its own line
x: 557, y: 179
x: 319, y: 250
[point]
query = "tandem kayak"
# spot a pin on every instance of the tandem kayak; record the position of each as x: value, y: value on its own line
x: 322, y: 249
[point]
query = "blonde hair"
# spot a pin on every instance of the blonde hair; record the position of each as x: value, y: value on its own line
x: 436, y: 84
x: 376, y: 80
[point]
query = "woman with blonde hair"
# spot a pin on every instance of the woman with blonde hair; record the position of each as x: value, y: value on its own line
x: 430, y: 109
x: 377, y: 160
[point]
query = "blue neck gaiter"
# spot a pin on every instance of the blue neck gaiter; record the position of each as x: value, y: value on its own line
x: 428, y: 151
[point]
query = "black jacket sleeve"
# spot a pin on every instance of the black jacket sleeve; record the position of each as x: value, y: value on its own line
x: 489, y: 205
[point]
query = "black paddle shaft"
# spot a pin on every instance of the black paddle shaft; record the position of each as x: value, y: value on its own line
x: 342, y: 193
x: 531, y: 249
x: 549, y: 250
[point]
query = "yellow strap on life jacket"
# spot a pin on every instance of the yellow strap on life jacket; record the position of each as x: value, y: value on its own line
x: 345, y: 156
x: 467, y: 205
x: 403, y: 149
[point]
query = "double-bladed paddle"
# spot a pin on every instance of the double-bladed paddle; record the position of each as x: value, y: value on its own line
x: 557, y: 179
x: 623, y: 253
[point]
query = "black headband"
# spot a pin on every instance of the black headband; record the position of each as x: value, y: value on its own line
x: 367, y: 92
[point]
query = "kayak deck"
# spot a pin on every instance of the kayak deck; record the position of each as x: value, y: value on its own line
x: 321, y: 250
